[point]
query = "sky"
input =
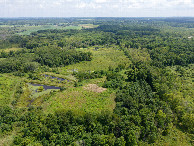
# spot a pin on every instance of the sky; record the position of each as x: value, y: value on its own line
x: 96, y: 8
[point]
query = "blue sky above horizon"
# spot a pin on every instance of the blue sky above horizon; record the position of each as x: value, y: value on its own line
x: 96, y: 8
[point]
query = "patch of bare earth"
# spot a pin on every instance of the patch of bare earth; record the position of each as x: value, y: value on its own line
x: 94, y: 88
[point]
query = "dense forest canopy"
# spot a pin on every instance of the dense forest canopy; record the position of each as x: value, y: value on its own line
x: 96, y: 81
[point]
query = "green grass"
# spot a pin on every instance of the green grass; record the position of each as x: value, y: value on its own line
x: 10, y: 49
x: 2, y: 26
x: 73, y: 27
x: 26, y: 30
x: 101, y: 60
x: 7, y: 89
x: 88, y: 25
x: 24, y: 99
x: 35, y: 94
x: 1, y: 59
x: 67, y: 76
x: 78, y: 100
x: 30, y: 95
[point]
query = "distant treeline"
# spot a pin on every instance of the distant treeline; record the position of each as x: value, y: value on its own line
x: 30, y: 60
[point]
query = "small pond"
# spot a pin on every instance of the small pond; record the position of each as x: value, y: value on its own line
x: 46, y: 87
x: 61, y: 79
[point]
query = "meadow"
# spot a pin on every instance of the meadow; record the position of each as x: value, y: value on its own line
x: 77, y: 99
x: 102, y: 59
x: 27, y: 30
x: 10, y: 49
x: 8, y: 85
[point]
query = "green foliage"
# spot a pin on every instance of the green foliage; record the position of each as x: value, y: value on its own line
x: 52, y: 57
x: 89, y: 75
x: 79, y: 100
x: 57, y: 57
x: 146, y: 64
x: 9, y: 87
x: 40, y: 89
x: 102, y: 59
x: 133, y: 104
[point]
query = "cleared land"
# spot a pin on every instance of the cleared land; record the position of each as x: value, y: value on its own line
x: 10, y: 49
x: 88, y: 26
x: 8, y: 85
x: 102, y: 59
x: 26, y: 29
x: 94, y: 88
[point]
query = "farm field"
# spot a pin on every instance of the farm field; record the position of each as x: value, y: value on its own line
x: 88, y: 26
x: 27, y: 30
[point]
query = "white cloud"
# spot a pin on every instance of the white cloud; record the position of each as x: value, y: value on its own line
x: 81, y: 5
x: 67, y: 8
x: 90, y: 5
x: 115, y: 6
x: 100, y: 1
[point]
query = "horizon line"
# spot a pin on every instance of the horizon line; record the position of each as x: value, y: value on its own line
x: 103, y: 17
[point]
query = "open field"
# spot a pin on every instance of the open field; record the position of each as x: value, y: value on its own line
x: 26, y: 30
x: 8, y: 86
x: 10, y: 49
x: 88, y: 26
x: 102, y: 59
x: 79, y: 100
x: 29, y: 29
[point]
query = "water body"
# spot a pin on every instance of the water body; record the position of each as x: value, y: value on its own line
x: 46, y: 87
x: 61, y: 79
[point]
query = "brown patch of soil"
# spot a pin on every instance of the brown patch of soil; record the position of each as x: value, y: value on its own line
x: 94, y: 88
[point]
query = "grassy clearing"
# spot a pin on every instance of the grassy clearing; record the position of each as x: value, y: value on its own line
x: 10, y: 49
x: 30, y: 95
x: 73, y: 27
x: 78, y: 99
x: 88, y: 26
x: 2, y: 26
x: 51, y: 82
x: 26, y: 30
x: 1, y: 59
x: 102, y: 59
x: 7, y: 88
x: 24, y: 99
